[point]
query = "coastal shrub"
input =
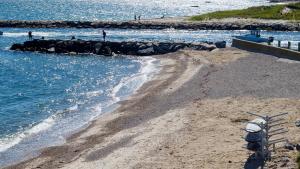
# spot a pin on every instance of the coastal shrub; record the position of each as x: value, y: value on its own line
x: 260, y: 12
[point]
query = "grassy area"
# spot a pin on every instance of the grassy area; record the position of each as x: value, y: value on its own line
x: 261, y: 12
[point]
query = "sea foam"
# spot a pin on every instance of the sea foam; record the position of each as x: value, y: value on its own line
x: 11, y: 141
x: 126, y: 87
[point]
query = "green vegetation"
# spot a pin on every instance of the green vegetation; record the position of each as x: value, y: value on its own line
x: 284, y: 12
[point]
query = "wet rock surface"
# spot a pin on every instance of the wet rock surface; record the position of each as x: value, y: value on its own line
x: 108, y: 48
x: 276, y: 26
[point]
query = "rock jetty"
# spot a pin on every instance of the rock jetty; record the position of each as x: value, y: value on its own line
x: 148, y: 24
x: 108, y: 48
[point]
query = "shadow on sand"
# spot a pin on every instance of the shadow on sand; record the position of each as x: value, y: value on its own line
x: 254, y: 163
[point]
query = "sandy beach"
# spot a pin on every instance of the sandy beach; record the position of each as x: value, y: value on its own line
x: 189, y: 116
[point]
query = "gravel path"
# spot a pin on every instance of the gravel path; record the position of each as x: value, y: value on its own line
x: 258, y: 75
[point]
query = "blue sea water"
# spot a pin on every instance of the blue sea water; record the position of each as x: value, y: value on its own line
x: 46, y: 97
x: 39, y: 93
x: 42, y: 93
x: 113, y: 9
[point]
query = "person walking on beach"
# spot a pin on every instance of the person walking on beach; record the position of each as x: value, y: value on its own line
x: 104, y: 35
x: 30, y: 35
x: 139, y: 17
x: 135, y: 17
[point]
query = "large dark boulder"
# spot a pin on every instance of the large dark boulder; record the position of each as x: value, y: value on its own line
x: 17, y: 47
x: 221, y: 44
x: 108, y: 48
x: 162, y: 48
x: 106, y: 51
x: 146, y: 52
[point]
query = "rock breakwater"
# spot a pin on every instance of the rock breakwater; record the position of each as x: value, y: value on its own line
x: 108, y: 48
x: 148, y: 24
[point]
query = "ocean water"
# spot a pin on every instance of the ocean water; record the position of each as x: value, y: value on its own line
x: 13, y: 35
x: 41, y: 94
x: 113, y: 9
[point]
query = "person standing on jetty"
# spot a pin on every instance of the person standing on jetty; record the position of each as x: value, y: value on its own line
x: 104, y: 35
x: 30, y: 35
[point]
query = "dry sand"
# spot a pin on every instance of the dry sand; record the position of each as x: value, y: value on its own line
x: 189, y: 116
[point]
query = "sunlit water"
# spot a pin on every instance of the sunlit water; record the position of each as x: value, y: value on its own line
x: 113, y: 9
x: 20, y: 35
x: 42, y: 93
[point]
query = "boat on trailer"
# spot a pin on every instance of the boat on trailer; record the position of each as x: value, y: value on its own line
x: 255, y: 36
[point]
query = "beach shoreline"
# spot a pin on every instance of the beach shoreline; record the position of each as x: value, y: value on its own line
x: 148, y: 68
x: 139, y: 93
x: 188, y: 116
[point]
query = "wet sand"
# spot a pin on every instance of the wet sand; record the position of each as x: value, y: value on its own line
x: 189, y: 116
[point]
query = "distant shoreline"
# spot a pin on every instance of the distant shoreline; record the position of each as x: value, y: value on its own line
x: 281, y: 11
x: 165, y: 23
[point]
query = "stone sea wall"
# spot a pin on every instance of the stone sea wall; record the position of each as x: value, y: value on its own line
x: 276, y: 26
x: 266, y: 49
x: 110, y: 48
